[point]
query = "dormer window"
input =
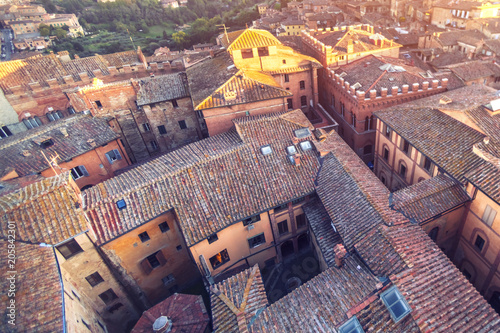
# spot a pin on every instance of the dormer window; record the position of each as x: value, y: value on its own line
x: 395, y: 303
x: 291, y: 150
x: 266, y: 150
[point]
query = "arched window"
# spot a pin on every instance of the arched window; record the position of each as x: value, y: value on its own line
x: 353, y: 120
x: 51, y: 116
x: 32, y: 122
x: 402, y: 169
x: 372, y: 122
x: 367, y: 123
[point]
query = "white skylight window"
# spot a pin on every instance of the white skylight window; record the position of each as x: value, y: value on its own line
x: 395, y: 303
x: 266, y: 150
x: 305, y: 145
x: 291, y: 150
x: 351, y: 326
x: 302, y: 133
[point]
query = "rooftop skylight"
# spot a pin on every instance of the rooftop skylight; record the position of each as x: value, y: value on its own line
x: 121, y: 204
x: 291, y: 150
x: 351, y: 326
x: 305, y: 145
x: 302, y: 133
x: 266, y: 150
x: 395, y: 303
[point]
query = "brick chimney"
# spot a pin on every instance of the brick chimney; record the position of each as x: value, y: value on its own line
x: 340, y: 253
x: 350, y: 47
x: 297, y: 158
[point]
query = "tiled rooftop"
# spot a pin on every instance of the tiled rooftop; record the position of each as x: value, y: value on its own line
x: 321, y: 304
x: 429, y: 198
x: 237, y: 301
x: 42, y: 68
x: 247, y: 39
x: 360, y: 39
x: 46, y: 211
x: 474, y: 70
x: 367, y: 72
x: 450, y: 38
x: 211, y: 184
x: 39, y: 303
x: 446, y: 141
x: 186, y: 312
x: 321, y: 226
x: 244, y: 87
x: 206, y: 77
x: 162, y: 88
x: 24, y: 152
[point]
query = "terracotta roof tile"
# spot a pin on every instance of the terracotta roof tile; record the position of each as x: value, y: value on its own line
x: 237, y: 301
x: 429, y: 198
x: 244, y: 87
x: 474, y: 70
x: 248, y: 38
x: 24, y: 153
x: 206, y: 77
x: 321, y: 304
x: 446, y: 141
x: 186, y: 312
x: 162, y: 88
x: 39, y: 301
x: 211, y: 183
x: 322, y: 228
x: 47, y: 211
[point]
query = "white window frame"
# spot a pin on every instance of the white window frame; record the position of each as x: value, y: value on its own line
x: 79, y: 171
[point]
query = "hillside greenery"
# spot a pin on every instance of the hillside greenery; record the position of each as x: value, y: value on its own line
x: 123, y: 24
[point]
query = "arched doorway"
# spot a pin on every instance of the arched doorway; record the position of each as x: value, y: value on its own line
x: 303, y: 242
x: 287, y: 249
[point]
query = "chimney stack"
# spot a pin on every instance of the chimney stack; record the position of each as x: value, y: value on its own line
x: 340, y: 253
x: 350, y: 47
x: 296, y: 158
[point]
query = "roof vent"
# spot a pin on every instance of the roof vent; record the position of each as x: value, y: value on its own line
x: 229, y: 95
x: 64, y: 131
x: 445, y: 100
x: 162, y: 325
x: 266, y: 150
x: 495, y: 105
x: 357, y: 85
x: 343, y: 74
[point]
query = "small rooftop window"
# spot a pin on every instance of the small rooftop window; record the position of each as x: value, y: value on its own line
x: 266, y: 150
x: 121, y: 204
x: 351, y: 326
x: 395, y: 303
x: 292, y: 159
x: 302, y: 133
x: 47, y: 143
x: 305, y: 145
x: 291, y: 150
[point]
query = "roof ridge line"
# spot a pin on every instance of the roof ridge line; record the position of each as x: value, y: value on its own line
x: 156, y: 179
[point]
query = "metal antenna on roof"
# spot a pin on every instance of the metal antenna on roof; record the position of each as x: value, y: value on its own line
x: 225, y: 31
x: 131, y: 39
x: 52, y: 162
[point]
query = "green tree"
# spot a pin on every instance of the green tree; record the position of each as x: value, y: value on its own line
x: 44, y: 30
x: 60, y: 33
x: 180, y: 39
